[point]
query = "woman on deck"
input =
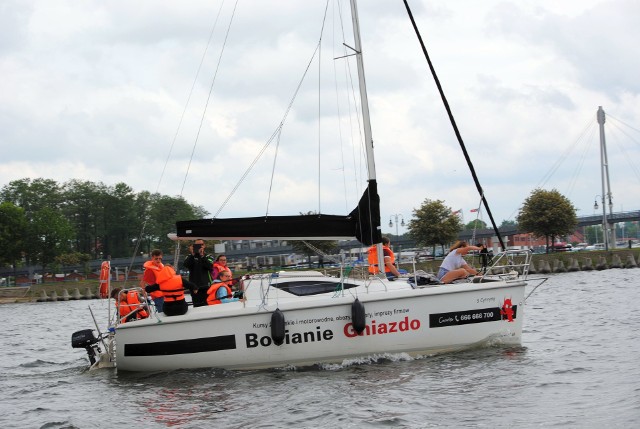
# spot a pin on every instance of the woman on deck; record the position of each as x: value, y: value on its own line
x: 453, y: 266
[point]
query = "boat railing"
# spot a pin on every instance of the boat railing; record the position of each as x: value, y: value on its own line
x: 508, y: 262
x: 142, y: 306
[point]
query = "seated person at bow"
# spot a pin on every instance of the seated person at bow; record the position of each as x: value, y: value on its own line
x: 453, y: 266
x: 220, y: 291
x: 129, y: 305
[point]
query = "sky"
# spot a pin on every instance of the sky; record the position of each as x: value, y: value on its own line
x: 182, y: 98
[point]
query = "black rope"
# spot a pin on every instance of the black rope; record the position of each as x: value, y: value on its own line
x: 455, y: 127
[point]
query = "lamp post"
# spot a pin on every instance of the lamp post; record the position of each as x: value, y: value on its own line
x: 396, y: 216
x: 605, y: 233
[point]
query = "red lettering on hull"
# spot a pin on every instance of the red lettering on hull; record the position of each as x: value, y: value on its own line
x: 374, y: 328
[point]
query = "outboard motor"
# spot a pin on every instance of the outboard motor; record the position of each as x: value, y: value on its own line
x: 86, y: 340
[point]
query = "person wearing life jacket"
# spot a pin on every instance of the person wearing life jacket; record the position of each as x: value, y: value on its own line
x: 151, y: 267
x: 389, y: 258
x: 219, y: 265
x: 220, y: 290
x: 172, y: 286
x: 129, y: 305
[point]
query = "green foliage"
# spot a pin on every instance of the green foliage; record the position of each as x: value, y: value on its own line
x: 32, y: 195
x: 42, y: 220
x: 434, y: 223
x: 508, y: 223
x: 164, y: 212
x: 547, y: 214
x: 13, y: 228
x: 49, y: 234
x: 476, y: 224
x: 74, y: 258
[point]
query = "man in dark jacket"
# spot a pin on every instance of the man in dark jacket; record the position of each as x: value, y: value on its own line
x: 199, y: 264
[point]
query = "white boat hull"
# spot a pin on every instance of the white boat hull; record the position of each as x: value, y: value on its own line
x: 399, y: 319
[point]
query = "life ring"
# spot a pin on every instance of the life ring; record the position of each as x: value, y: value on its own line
x: 105, y: 273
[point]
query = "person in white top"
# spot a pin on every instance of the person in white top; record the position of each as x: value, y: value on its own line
x: 453, y: 266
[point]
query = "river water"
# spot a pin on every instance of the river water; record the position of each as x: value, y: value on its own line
x: 578, y: 366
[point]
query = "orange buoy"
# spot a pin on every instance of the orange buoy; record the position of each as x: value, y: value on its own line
x: 105, y: 273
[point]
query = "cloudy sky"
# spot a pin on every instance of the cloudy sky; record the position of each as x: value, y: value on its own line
x: 102, y: 91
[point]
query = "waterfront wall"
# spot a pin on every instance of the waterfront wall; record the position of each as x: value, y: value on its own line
x: 540, y: 264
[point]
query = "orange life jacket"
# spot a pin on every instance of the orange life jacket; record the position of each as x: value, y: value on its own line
x: 218, y: 268
x: 373, y: 259
x: 130, y: 302
x: 149, y: 265
x: 212, y: 292
x: 170, y: 284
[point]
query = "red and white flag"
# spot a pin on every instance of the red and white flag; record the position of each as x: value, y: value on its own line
x: 473, y: 210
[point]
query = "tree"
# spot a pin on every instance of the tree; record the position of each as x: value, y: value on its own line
x: 49, y: 235
x: 164, y: 212
x: 476, y: 224
x: 13, y: 227
x: 73, y: 258
x: 547, y: 214
x: 32, y: 195
x: 508, y: 224
x: 121, y: 226
x: 434, y: 223
x: 83, y: 201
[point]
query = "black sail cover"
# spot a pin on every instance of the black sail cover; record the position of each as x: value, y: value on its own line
x: 363, y: 224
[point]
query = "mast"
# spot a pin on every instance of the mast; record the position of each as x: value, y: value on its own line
x: 366, y: 120
x: 364, y: 100
x: 609, y: 231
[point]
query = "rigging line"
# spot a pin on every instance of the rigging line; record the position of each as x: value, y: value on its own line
x: 340, y: 137
x: 193, y: 85
x: 335, y: 82
x: 175, y: 136
x: 455, y: 127
x: 360, y: 127
x: 324, y: 20
x: 588, y: 128
x: 273, y: 170
x: 349, y: 81
x: 321, y: 253
x: 622, y: 122
x: 213, y: 81
x: 270, y: 139
x: 622, y: 130
x: 578, y: 169
x: 564, y: 155
x: 627, y: 156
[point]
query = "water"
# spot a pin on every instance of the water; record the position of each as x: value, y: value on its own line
x: 577, y: 367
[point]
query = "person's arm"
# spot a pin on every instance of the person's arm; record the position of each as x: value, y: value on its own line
x: 207, y: 262
x: 470, y: 270
x: 188, y: 262
x: 221, y: 294
x: 392, y: 268
x: 152, y: 288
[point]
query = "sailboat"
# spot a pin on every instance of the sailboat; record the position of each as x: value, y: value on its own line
x: 294, y: 319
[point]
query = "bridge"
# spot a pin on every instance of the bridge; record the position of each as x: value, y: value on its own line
x: 617, y: 217
x: 278, y: 252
